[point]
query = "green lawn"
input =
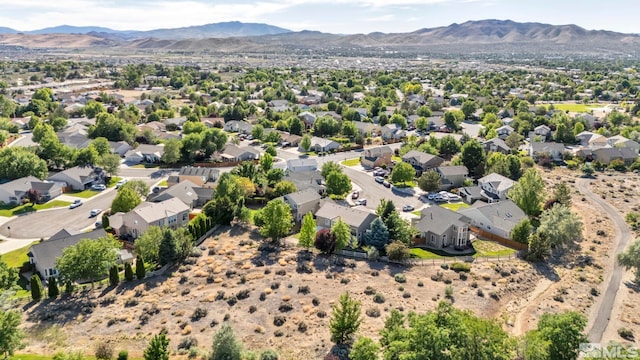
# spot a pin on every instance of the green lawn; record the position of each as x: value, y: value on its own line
x: 424, y: 254
x: 406, y: 184
x: 351, y: 162
x: 396, y: 158
x: 576, y: 107
x: 455, y: 206
x: 17, y: 257
x: 163, y: 183
x: 11, y: 210
x: 146, y: 166
x: 113, y: 181
x: 85, y: 194
x: 486, y: 248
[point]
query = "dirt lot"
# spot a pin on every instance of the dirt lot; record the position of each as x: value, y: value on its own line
x: 301, y: 287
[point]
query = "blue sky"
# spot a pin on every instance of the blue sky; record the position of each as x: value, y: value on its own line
x: 335, y: 16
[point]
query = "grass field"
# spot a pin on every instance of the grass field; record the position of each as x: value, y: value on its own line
x: 17, y: 257
x: 351, y: 162
x: 85, y: 194
x: 163, y: 183
x: 490, y: 249
x: 576, y: 107
x: 455, y: 206
x: 424, y: 254
x: 9, y: 210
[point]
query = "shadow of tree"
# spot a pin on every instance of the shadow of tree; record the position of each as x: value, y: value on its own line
x: 632, y: 286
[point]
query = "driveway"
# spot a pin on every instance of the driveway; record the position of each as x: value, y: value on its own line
x: 374, y: 192
x: 601, y: 311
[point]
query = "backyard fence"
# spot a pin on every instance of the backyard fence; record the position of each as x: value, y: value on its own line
x: 499, y: 239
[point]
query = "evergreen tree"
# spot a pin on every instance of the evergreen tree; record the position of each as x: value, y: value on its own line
x: 562, y: 194
x: 140, y: 270
x: 345, y: 319
x: 225, y: 345
x: 36, y: 288
x: 167, y: 250
x: 53, y: 288
x: 158, y: 348
x: 377, y: 235
x: 128, y: 272
x: 307, y: 231
x: 114, y: 276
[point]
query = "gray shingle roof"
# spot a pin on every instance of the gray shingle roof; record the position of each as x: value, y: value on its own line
x: 47, y: 251
x: 453, y: 170
x: 352, y: 216
x: 438, y: 220
x: 303, y: 196
x: 498, y: 181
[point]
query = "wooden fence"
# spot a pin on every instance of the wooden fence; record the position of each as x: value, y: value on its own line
x: 499, y: 239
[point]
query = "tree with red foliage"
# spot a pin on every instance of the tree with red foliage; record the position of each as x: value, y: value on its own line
x: 325, y: 241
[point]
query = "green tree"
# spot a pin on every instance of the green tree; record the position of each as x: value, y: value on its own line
x: 513, y: 140
x: 167, y: 252
x: 630, y: 259
x: 397, y: 251
x: 8, y: 276
x: 377, y: 235
x: 564, y: 332
x: 305, y: 143
x: 86, y: 157
x: 53, y: 290
x: 364, y: 349
x: 225, y: 345
x: 36, y: 288
x: 18, y: 162
x: 140, y: 270
x: 473, y: 157
x: 274, y: 176
x: 385, y: 209
x: 257, y: 132
x: 110, y: 163
x: 345, y: 319
x: 429, y: 181
x: 139, y: 186
x: 158, y: 348
x: 266, y: 162
x: 93, y: 108
x: 560, y: 225
x: 114, y: 276
x: 10, y: 334
x: 562, y: 193
x: 307, y: 231
x: 128, y: 272
x: 88, y: 260
x: 522, y: 231
x: 148, y: 244
x: 283, y: 188
x: 338, y: 183
x: 403, y: 172
x: 449, y: 146
x: 125, y: 200
x: 101, y: 145
x: 342, y: 233
x: 399, y: 229
x: 330, y: 167
x: 227, y: 200
x: 528, y: 193
x: 468, y: 108
x: 539, y: 246
x: 278, y: 220
x: 172, y: 151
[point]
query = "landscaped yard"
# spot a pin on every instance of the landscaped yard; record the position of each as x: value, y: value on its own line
x: 407, y: 184
x: 113, y: 181
x: 146, y: 166
x: 163, y: 183
x: 455, y: 206
x: 17, y: 257
x: 424, y: 254
x: 85, y: 194
x: 351, y: 162
x: 11, y: 210
x: 576, y: 107
x: 486, y: 248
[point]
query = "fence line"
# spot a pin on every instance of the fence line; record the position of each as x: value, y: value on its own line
x: 430, y: 262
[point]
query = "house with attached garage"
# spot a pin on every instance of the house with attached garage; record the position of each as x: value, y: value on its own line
x: 199, y: 176
x: 496, y: 145
x: 306, y: 179
x: 319, y: 144
x: 555, y: 150
x: 422, y: 161
x: 497, y: 218
x: 358, y: 220
x: 172, y: 213
x: 441, y: 229
x: 302, y: 202
x: 242, y: 127
x: 377, y: 156
x: 495, y: 187
x: 452, y: 176
x: 78, y: 178
x: 145, y: 153
x: 189, y: 193
x: 392, y: 132
x: 14, y: 191
x: 367, y: 128
x: 119, y: 147
x: 504, y: 131
x: 234, y: 153
x: 606, y: 155
x: 308, y: 118
x: 305, y: 164
x: 620, y: 141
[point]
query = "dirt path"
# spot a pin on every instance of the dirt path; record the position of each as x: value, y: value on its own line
x: 601, y: 311
x: 523, y: 317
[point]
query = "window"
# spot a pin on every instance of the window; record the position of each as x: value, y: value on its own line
x: 185, y: 216
x: 433, y: 239
x: 444, y: 239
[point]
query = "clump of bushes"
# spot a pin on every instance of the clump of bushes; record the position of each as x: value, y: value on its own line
x: 458, y: 267
x: 198, y: 314
x: 304, y: 290
x: 279, y: 320
x: 285, y: 307
x: 242, y: 294
x: 369, y: 290
x: 373, y: 312
x: 378, y: 298
x: 400, y: 278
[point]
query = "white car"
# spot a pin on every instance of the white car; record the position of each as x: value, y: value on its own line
x: 75, y: 204
x: 121, y: 182
x: 95, y: 212
x: 98, y: 187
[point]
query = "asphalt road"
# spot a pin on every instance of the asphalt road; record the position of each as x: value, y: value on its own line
x: 621, y: 240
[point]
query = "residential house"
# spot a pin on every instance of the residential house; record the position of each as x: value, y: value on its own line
x: 21, y: 122
x: 199, y: 176
x: 435, y: 122
x: 421, y: 160
x: 452, y: 176
x: 46, y: 190
x: 471, y: 194
x: 234, y: 153
x: 507, y: 121
x: 358, y: 220
x: 78, y: 178
x: 302, y: 202
x: 495, y: 187
x: 377, y: 156
x: 75, y: 136
x: 504, y: 131
x: 319, y: 144
x: 43, y: 255
x: 555, y: 150
x: 179, y: 121
x: 306, y: 179
x: 333, y: 114
x: 14, y: 191
x: 172, y: 212
x: 242, y: 127
x: 367, y: 128
x: 308, y: 118
x: 543, y: 131
x: 156, y: 128
x: 305, y: 164
x: 607, y: 154
x: 145, y: 153
x: 497, y: 218
x: 291, y: 140
x: 496, y: 145
x: 442, y: 228
x: 392, y: 132
x: 186, y: 192
x: 592, y: 140
x: 119, y: 147
x: 620, y: 141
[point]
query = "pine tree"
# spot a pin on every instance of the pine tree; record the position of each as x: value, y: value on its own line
x: 114, y: 276
x: 141, y: 272
x: 36, y: 288
x: 377, y: 235
x: 128, y: 272
x: 345, y: 319
x: 53, y: 288
x: 307, y: 231
x: 167, y: 250
x: 158, y: 348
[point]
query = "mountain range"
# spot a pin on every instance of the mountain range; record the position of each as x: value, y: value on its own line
x: 480, y: 36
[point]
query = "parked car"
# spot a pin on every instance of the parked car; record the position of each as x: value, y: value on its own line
x: 380, y: 172
x: 95, y: 212
x: 98, y: 187
x: 98, y: 224
x: 379, y: 179
x: 361, y: 202
x: 355, y: 195
x: 408, y: 208
x: 386, y: 184
x: 250, y: 137
x: 75, y: 204
x: 432, y: 196
x: 121, y: 182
